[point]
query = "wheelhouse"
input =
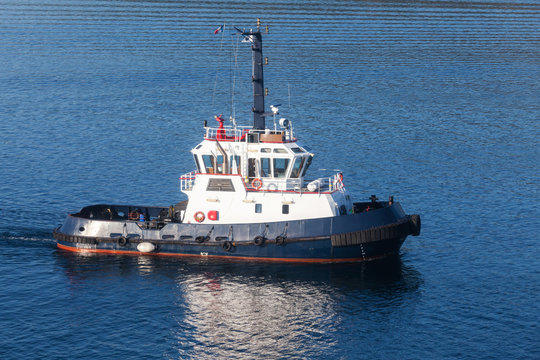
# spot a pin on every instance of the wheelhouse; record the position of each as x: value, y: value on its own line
x: 273, y: 157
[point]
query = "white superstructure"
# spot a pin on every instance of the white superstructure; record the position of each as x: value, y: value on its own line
x: 246, y: 175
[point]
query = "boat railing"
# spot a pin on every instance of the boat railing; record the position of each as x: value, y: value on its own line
x: 274, y: 184
x: 187, y: 181
x: 226, y: 133
x: 325, y: 184
x: 123, y: 213
x: 294, y: 185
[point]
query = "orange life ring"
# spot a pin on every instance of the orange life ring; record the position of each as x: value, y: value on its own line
x: 199, y: 216
x: 340, y: 177
x: 257, y: 184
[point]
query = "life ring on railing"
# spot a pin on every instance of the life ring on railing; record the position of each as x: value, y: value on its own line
x: 257, y: 184
x: 340, y: 177
x: 199, y: 216
x: 134, y: 215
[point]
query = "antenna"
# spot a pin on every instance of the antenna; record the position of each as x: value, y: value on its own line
x: 233, y: 85
x: 289, y: 88
x: 275, y: 111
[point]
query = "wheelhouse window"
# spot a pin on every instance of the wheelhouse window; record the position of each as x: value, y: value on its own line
x: 208, y: 161
x: 297, y: 166
x: 308, y: 162
x: 266, y: 170
x: 297, y: 150
x: 280, y: 151
x: 253, y: 138
x: 280, y: 167
x: 219, y: 165
x: 197, y: 163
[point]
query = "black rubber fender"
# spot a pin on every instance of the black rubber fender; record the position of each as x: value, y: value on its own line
x: 280, y: 240
x: 122, y: 241
x: 259, y: 240
x: 416, y: 224
x: 201, y: 239
x: 227, y: 245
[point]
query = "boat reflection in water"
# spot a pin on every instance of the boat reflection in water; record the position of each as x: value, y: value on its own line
x: 225, y: 309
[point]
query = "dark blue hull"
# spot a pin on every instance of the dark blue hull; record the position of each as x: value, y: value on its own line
x: 301, y: 251
x: 355, y: 237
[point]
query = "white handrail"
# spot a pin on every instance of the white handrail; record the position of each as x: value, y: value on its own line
x: 226, y: 133
x: 187, y: 181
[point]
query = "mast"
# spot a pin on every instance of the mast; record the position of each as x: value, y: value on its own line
x: 257, y: 78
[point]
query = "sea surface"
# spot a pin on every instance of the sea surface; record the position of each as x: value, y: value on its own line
x: 434, y: 102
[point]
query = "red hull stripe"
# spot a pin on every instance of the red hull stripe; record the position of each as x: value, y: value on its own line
x: 292, y: 260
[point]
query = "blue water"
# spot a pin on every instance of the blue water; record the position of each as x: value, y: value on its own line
x: 434, y: 102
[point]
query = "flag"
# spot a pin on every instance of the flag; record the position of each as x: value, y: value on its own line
x: 219, y: 29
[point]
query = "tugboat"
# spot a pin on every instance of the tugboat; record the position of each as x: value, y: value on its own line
x: 249, y: 199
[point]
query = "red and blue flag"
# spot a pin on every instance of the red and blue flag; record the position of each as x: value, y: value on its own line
x: 219, y: 29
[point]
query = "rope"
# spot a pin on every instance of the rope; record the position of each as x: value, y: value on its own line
x: 217, y: 69
x: 233, y: 82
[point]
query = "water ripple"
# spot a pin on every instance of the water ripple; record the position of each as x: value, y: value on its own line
x: 435, y: 102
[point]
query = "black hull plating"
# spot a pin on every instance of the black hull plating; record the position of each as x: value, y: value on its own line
x: 300, y: 251
x: 356, y: 237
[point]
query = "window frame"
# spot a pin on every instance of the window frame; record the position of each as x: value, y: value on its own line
x: 285, y: 171
x: 211, y: 161
x: 196, y: 158
x: 299, y: 172
x: 270, y: 172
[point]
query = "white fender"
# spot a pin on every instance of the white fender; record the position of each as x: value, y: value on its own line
x: 314, y: 185
x: 146, y: 247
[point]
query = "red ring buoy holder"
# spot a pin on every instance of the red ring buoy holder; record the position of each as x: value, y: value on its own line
x: 257, y: 184
x: 199, y: 216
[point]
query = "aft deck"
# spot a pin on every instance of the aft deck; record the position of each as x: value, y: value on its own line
x: 148, y: 217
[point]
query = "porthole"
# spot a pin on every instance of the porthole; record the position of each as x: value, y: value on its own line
x: 81, y: 229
